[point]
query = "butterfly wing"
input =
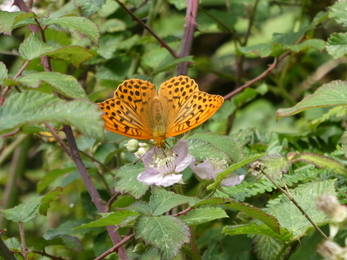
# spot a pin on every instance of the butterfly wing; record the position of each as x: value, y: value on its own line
x: 127, y: 112
x: 185, y: 105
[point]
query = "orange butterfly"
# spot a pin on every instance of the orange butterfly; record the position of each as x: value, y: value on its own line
x: 138, y: 111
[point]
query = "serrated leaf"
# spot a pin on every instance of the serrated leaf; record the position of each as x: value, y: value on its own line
x: 167, y: 65
x: 34, y: 107
x: 76, y: 24
x: 330, y: 94
x: 222, y: 175
x: 127, y: 182
x: 324, y: 162
x: 109, y: 219
x: 8, y: 19
x: 202, y: 215
x: 338, y: 11
x: 202, y: 150
x: 162, y: 201
x: 337, y: 45
x: 51, y: 176
x: 48, y: 198
x: 89, y: 7
x: 13, y: 244
x: 3, y: 72
x: 166, y: 233
x: 64, y: 84
x: 290, y: 217
x: 267, y: 247
x: 32, y: 47
x: 141, y: 207
x: 224, y: 143
x: 23, y: 212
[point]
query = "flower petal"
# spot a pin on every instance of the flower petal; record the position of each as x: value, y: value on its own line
x: 181, y: 151
x: 232, y: 180
x: 158, y: 178
x: 203, y: 170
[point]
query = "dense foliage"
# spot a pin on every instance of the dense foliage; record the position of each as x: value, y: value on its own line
x: 69, y: 188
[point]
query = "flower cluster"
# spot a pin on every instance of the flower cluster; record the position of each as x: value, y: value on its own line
x: 164, y: 167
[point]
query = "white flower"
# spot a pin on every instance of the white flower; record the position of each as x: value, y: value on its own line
x: 163, y: 167
x: 211, y: 167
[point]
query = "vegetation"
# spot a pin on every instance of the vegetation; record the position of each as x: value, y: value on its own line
x: 69, y: 188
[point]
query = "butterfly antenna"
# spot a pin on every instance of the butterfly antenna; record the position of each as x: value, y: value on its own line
x: 143, y: 155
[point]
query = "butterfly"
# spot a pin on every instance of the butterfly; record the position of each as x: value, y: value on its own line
x: 137, y: 110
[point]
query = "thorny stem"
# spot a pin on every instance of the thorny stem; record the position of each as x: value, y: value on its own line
x: 188, y: 35
x: 291, y: 198
x: 57, y: 137
x: 113, y: 249
x: 75, y: 154
x: 162, y: 43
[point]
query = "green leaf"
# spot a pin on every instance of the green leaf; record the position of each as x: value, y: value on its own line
x: 34, y: 107
x: 89, y: 7
x: 166, y: 233
x: 3, y: 72
x: 180, y: 4
x: 261, y: 49
x: 127, y: 182
x: 344, y: 143
x: 141, y: 207
x: 275, y: 164
x: 33, y: 47
x: 337, y: 45
x: 113, y: 25
x: 253, y: 228
x: 324, y: 161
x: 224, y: 143
x: 13, y: 244
x: 330, y: 94
x: 202, y: 215
x: 109, y: 219
x: 162, y: 201
x: 8, y: 19
x: 338, y: 111
x: 74, y: 54
x: 267, y: 247
x: 222, y: 175
x: 290, y: 217
x: 244, y: 207
x: 64, y: 84
x: 72, y: 243
x: 48, y: 198
x: 338, y: 11
x: 76, y: 24
x: 167, y: 65
x: 136, y: 3
x: 312, y: 43
x: 51, y: 176
x: 203, y: 149
x: 23, y: 212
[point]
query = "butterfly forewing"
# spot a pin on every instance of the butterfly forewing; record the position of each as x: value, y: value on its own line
x: 187, y: 107
x: 127, y: 113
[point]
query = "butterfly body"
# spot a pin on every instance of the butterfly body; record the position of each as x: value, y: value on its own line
x: 137, y: 110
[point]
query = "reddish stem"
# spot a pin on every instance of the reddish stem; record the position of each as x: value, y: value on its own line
x: 188, y: 35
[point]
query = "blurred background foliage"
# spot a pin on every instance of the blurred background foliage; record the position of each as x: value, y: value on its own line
x: 221, y: 64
